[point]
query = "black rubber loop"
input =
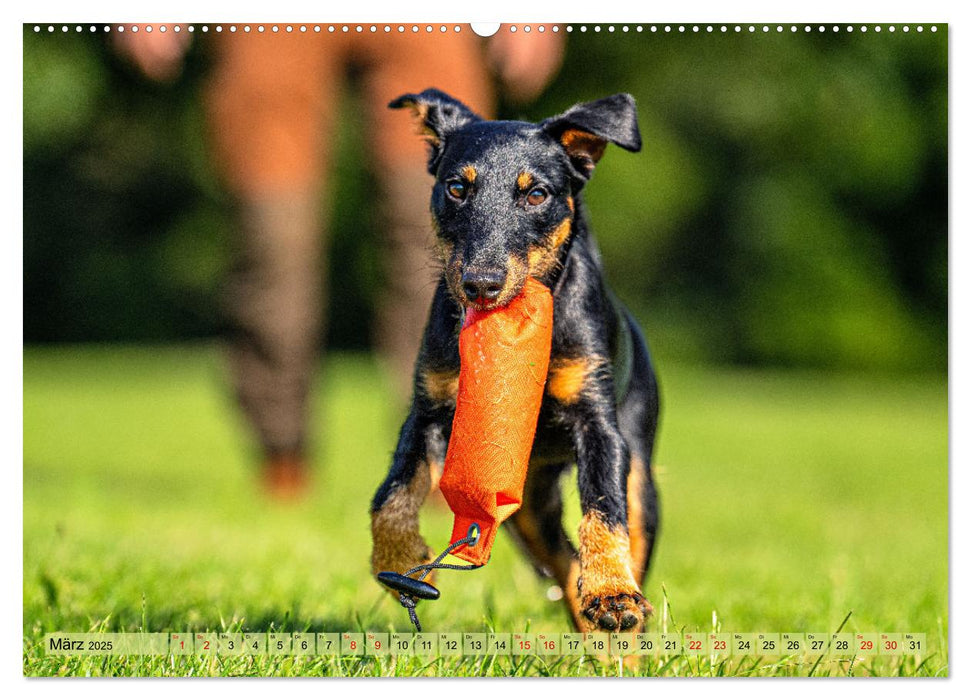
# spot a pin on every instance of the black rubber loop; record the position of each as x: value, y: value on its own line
x: 409, y: 602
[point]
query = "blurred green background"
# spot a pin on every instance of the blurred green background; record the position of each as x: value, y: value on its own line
x: 789, y: 208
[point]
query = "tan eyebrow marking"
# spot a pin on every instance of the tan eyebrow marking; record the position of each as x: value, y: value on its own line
x: 524, y: 181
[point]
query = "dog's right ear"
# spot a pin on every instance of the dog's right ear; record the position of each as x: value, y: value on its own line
x: 439, y: 116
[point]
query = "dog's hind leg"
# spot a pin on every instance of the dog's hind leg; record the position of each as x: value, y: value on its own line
x: 537, y: 527
x: 637, y: 418
x: 642, y: 516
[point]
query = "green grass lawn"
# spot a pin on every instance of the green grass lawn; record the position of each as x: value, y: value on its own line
x: 788, y: 500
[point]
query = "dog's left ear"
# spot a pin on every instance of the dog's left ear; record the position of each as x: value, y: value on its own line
x: 585, y: 129
x: 440, y: 115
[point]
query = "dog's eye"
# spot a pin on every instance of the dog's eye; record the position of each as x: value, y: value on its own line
x: 536, y: 196
x: 456, y: 189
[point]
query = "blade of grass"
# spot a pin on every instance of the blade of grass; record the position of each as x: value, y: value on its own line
x: 838, y: 630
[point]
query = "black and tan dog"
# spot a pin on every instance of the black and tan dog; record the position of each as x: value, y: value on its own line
x: 506, y: 204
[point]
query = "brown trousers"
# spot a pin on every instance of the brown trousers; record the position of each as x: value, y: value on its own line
x: 272, y: 110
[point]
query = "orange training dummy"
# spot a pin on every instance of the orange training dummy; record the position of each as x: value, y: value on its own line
x: 504, y: 355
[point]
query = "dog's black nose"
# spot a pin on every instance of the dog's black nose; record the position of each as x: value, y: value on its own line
x: 483, y: 285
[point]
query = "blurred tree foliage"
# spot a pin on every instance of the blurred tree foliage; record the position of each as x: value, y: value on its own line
x: 789, y: 207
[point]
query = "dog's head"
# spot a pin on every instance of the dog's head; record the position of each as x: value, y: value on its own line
x: 503, y: 200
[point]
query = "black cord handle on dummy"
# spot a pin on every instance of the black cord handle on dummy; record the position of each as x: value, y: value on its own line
x: 411, y: 590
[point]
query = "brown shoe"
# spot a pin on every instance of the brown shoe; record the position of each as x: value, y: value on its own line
x: 285, y: 477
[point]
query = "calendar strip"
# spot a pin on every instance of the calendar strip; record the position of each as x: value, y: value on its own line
x: 378, y: 644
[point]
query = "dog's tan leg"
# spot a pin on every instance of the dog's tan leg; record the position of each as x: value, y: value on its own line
x: 641, y: 540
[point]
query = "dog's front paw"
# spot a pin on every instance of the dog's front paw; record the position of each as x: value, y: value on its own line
x: 621, y: 611
x: 608, y: 593
x: 399, y: 552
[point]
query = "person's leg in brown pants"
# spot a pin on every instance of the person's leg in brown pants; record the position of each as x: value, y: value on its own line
x: 271, y: 112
